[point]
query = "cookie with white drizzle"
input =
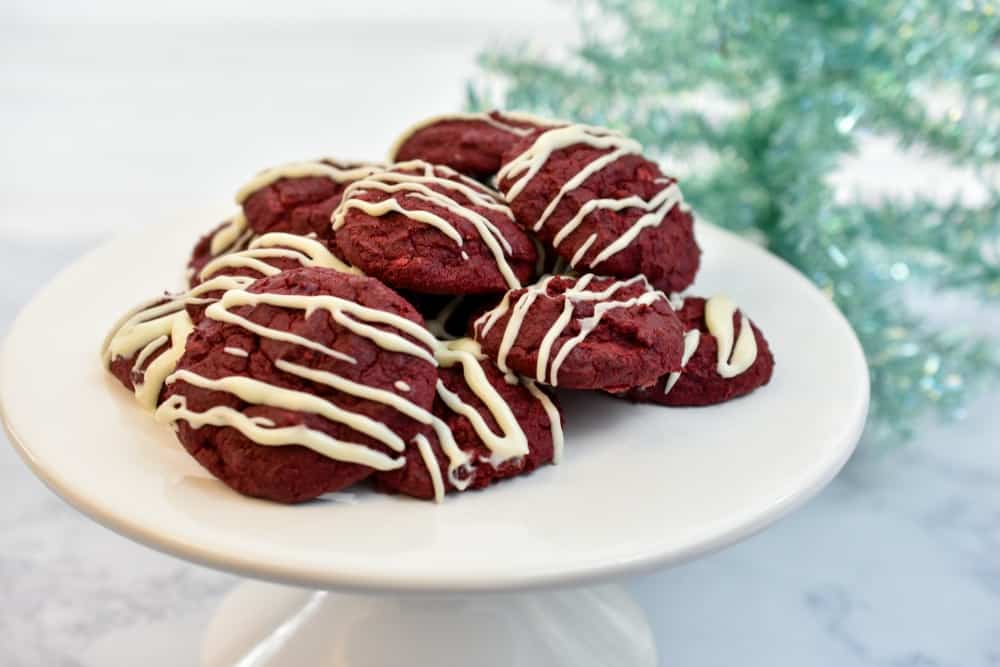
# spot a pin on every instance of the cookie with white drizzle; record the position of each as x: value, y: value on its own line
x: 160, y: 326
x: 143, y: 347
x: 471, y: 143
x: 591, y: 196
x: 298, y: 197
x: 294, y: 386
x: 725, y: 356
x: 507, y: 425
x: 427, y: 228
x: 584, y: 333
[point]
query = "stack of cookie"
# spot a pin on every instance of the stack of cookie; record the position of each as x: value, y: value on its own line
x: 407, y: 323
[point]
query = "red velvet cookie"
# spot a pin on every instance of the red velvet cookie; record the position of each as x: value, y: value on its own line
x: 471, y: 143
x: 591, y: 196
x: 746, y: 362
x: 584, y: 333
x: 298, y: 197
x: 291, y: 388
x: 531, y: 438
x: 429, y: 229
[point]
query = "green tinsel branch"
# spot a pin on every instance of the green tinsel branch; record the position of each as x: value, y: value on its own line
x: 792, y: 86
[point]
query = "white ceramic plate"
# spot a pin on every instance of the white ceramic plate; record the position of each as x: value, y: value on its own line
x: 640, y: 486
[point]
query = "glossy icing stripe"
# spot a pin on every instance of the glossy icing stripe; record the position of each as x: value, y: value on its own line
x: 545, y: 349
x: 692, y: 338
x: 148, y: 350
x: 733, y: 359
x: 337, y: 174
x: 555, y: 421
x: 228, y: 235
x: 147, y: 391
x: 514, y: 442
x: 427, y: 454
x: 277, y: 245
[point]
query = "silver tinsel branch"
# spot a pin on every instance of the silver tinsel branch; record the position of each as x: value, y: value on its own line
x: 793, y: 85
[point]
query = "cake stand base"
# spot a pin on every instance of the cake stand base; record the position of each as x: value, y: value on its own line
x: 266, y: 625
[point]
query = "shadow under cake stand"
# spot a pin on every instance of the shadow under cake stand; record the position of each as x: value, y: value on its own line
x: 509, y: 576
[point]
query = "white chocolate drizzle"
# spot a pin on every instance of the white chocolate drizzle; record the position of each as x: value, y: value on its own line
x: 582, y: 250
x: 424, y: 182
x: 277, y: 245
x: 555, y: 421
x: 547, y: 366
x: 147, y: 351
x: 733, y: 358
x: 430, y: 461
x: 233, y: 235
x: 526, y: 166
x: 147, y: 390
x: 692, y: 338
x: 336, y: 172
x: 532, y: 121
x: 513, y: 443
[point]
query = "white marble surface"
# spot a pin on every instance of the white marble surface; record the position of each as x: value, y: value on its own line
x: 108, y: 127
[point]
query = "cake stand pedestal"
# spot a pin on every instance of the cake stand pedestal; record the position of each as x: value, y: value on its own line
x: 267, y: 625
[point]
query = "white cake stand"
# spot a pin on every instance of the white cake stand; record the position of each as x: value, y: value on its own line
x: 503, y: 577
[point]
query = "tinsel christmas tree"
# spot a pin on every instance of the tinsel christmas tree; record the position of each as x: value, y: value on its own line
x: 802, y: 82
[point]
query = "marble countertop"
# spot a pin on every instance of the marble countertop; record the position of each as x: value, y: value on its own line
x: 896, y: 564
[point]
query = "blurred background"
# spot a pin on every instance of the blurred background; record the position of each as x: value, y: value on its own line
x: 118, y: 115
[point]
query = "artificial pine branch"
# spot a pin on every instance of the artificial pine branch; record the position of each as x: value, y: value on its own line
x: 794, y: 85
